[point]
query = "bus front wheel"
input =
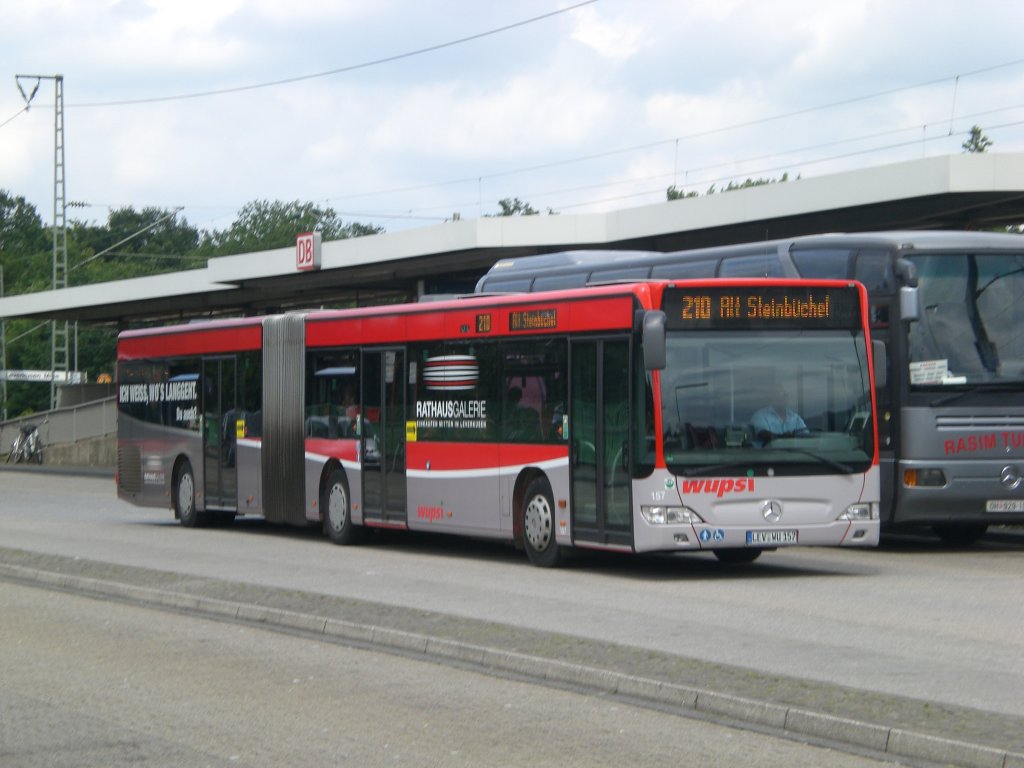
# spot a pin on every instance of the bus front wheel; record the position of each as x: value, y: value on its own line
x: 737, y: 556
x: 539, y: 525
x: 337, y: 509
x: 185, y: 496
x: 960, y: 535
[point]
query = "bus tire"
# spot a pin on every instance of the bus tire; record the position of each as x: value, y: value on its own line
x: 737, y: 556
x: 185, y: 496
x: 337, y: 509
x: 538, y: 525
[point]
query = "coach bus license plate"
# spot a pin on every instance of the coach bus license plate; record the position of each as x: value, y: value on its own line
x: 773, y: 538
x: 1007, y: 505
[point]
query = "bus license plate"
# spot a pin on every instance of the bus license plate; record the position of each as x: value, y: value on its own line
x: 772, y: 538
x: 1005, y: 505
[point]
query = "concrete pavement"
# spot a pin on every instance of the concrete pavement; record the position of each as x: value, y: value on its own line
x: 802, y: 709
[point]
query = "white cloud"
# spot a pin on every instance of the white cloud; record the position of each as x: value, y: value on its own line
x: 522, y: 118
x: 612, y: 38
x: 585, y: 84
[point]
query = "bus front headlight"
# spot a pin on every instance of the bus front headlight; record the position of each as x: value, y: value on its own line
x: 660, y: 515
x: 860, y: 512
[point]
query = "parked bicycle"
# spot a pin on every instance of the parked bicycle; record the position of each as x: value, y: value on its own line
x: 27, y: 446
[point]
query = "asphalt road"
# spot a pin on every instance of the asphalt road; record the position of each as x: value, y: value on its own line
x: 934, y: 631
x: 90, y: 683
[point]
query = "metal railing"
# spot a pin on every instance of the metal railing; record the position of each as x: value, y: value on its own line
x: 67, y: 425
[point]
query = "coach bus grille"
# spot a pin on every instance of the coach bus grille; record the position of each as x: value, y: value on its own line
x: 979, y: 422
x: 129, y: 469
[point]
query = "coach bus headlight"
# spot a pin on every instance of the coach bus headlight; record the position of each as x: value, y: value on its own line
x: 860, y: 512
x: 924, y: 478
x: 670, y: 515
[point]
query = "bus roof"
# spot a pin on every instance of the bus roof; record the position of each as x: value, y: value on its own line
x: 533, y: 273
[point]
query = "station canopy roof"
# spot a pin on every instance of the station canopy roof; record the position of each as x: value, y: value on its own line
x: 966, y: 191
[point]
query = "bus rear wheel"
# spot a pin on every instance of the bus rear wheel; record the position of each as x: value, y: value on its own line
x: 539, y: 525
x: 185, y: 496
x: 337, y: 509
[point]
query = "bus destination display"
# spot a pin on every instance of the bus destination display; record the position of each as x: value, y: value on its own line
x: 752, y: 307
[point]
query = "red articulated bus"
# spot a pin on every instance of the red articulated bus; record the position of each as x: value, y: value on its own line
x: 626, y: 417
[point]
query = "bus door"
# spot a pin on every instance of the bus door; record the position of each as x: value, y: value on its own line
x: 382, y: 435
x: 220, y: 474
x: 599, y: 441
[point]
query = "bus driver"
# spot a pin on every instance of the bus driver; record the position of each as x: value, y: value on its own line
x: 777, y: 419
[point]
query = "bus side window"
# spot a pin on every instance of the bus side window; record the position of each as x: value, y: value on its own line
x: 874, y: 269
x: 823, y: 264
x: 684, y: 269
x: 758, y: 265
x: 533, y: 390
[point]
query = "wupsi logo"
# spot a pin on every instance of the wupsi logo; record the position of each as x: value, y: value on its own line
x: 430, y: 513
x: 719, y: 487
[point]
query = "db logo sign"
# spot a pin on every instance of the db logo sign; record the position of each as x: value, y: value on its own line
x: 307, y: 251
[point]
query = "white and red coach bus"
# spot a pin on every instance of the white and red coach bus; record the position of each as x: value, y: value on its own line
x: 617, y: 417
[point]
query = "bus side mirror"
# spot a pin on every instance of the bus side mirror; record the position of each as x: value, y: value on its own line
x: 907, y: 272
x: 654, y: 339
x: 910, y: 304
x: 881, y: 364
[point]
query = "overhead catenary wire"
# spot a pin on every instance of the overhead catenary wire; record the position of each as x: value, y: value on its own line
x: 535, y: 195
x: 477, y: 178
x: 338, y: 70
x: 685, y: 137
x: 19, y: 113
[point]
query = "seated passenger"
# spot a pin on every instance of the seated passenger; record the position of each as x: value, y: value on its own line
x: 777, y: 420
x: 521, y: 423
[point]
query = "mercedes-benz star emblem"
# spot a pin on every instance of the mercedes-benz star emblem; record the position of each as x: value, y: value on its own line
x: 1010, y: 477
x: 772, y: 511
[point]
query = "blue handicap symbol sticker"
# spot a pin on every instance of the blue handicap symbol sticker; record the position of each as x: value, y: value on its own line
x: 719, y: 534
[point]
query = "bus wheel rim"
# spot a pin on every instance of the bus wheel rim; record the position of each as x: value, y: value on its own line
x: 337, y: 507
x: 538, y: 523
x: 186, y: 494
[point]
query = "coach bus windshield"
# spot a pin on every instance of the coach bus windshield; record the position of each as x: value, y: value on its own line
x: 755, y: 403
x: 971, y: 324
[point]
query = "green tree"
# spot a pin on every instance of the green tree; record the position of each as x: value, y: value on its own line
x: 516, y: 207
x: 28, y: 348
x: 25, y: 247
x: 977, y: 141
x: 262, y: 225
x: 674, y: 193
x: 131, y: 244
x: 513, y: 206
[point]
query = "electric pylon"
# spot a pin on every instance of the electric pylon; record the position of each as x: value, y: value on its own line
x: 58, y: 328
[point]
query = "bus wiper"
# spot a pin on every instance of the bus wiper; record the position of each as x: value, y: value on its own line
x: 712, y: 469
x: 832, y: 463
x: 745, y: 466
x: 1000, y: 386
x: 988, y: 352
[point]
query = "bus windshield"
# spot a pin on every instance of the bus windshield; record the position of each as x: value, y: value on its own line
x: 755, y: 403
x: 971, y: 325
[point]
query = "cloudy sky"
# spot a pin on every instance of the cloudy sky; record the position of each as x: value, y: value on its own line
x: 402, y: 113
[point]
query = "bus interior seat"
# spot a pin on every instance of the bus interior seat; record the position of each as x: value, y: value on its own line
x: 523, y: 424
x: 702, y: 437
x: 738, y: 435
